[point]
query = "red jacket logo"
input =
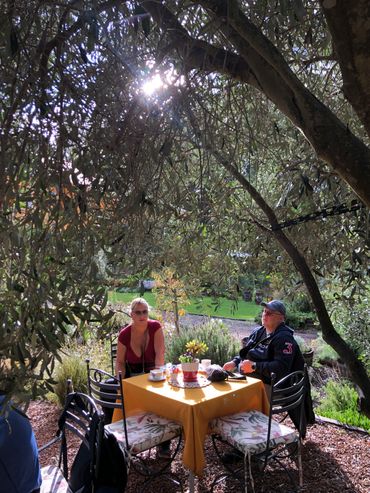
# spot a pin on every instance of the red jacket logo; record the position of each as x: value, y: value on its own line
x: 289, y: 348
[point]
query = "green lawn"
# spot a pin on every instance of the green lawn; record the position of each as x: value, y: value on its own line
x: 245, y: 310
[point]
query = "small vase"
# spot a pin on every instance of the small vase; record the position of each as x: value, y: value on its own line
x: 190, y: 371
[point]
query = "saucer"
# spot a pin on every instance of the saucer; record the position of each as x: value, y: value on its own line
x: 156, y: 379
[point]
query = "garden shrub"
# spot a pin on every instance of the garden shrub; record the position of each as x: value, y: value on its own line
x: 324, y: 353
x: 74, y: 368
x: 222, y: 346
x: 358, y: 330
x: 73, y: 365
x: 297, y: 319
x: 301, y: 303
x: 340, y: 403
x: 353, y: 323
x: 303, y: 346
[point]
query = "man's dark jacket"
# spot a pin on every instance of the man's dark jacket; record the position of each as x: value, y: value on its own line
x: 277, y: 353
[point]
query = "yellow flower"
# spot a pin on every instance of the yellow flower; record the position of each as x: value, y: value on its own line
x: 196, y: 348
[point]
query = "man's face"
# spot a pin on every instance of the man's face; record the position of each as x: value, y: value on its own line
x: 271, y: 319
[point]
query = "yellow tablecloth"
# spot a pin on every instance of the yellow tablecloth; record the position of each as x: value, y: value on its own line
x: 194, y: 408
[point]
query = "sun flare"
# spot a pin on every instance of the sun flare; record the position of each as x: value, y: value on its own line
x: 151, y: 86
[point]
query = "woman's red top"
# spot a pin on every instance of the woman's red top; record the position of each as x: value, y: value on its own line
x: 136, y: 363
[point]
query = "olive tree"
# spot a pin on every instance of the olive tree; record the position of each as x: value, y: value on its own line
x: 89, y: 165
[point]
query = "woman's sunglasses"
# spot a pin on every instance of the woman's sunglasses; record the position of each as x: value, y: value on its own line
x: 141, y: 312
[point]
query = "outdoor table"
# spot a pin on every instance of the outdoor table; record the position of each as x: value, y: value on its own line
x: 193, y: 407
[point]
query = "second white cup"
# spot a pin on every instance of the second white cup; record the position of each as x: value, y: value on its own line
x: 206, y: 363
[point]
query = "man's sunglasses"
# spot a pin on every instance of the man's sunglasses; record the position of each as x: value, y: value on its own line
x: 141, y: 312
x: 269, y: 314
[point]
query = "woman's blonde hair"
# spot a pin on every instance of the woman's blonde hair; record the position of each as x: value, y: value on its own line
x: 138, y: 301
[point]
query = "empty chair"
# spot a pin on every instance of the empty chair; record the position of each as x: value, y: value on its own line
x: 261, y: 438
x: 82, y: 418
x: 138, y: 433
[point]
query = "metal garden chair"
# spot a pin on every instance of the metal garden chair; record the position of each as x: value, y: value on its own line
x: 135, y: 434
x: 261, y: 438
x: 83, y: 419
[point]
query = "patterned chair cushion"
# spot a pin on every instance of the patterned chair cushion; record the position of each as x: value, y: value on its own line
x: 144, y: 430
x: 247, y: 431
x: 53, y: 481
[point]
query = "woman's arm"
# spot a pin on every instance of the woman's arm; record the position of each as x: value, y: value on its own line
x: 159, y: 347
x: 121, y: 359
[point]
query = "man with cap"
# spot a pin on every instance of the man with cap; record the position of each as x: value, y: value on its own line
x: 270, y: 348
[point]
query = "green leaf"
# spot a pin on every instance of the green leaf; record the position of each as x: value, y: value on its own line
x: 63, y: 285
x: 83, y: 54
x: 299, y: 9
x: 13, y: 41
x: 141, y: 14
x: 61, y: 316
x: 93, y: 34
x: 146, y: 25
x: 19, y: 353
x: 18, y: 287
x: 49, y: 386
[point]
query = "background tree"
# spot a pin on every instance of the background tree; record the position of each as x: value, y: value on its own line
x: 91, y: 165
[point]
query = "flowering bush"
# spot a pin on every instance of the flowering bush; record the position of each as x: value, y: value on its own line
x: 194, y: 349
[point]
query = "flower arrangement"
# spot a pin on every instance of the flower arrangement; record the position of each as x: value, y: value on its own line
x: 194, y: 349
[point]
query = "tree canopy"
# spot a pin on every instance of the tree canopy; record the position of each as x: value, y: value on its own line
x: 261, y: 117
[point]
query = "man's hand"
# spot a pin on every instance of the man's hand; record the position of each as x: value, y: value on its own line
x: 246, y: 366
x: 229, y: 366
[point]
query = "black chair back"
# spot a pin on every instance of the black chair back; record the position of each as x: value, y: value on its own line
x: 113, y: 351
x: 286, y: 395
x: 82, y: 418
x: 106, y: 391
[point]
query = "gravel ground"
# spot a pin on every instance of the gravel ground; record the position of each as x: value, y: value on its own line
x: 334, y: 460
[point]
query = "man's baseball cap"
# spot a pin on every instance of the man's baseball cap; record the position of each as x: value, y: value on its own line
x: 275, y: 306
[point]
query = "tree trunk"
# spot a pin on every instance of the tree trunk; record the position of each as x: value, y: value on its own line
x: 330, y: 335
x: 350, y: 35
x: 176, y: 313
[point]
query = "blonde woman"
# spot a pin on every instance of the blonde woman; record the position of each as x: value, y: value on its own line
x: 140, y: 345
x: 140, y: 348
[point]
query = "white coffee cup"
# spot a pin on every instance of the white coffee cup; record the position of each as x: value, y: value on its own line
x: 156, y: 374
x: 206, y: 363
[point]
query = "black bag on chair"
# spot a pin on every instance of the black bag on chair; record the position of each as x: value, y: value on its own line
x: 113, y: 466
x: 112, y: 469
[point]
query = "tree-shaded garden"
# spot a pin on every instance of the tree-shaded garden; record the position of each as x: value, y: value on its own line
x: 256, y: 143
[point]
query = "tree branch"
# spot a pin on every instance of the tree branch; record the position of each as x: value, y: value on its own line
x: 266, y: 69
